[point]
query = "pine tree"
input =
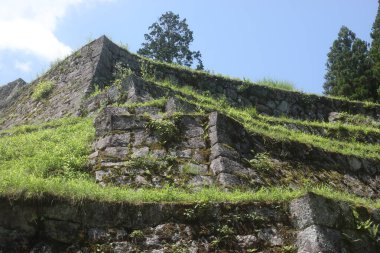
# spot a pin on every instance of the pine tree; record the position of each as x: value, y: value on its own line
x: 169, y: 40
x: 375, y: 54
x: 348, y: 67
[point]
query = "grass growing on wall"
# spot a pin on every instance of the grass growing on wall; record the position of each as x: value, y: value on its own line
x: 36, y: 160
x: 256, y: 125
x: 42, y: 90
x: 278, y: 84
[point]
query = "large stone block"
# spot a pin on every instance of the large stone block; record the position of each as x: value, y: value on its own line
x: 220, y: 149
x: 315, y: 210
x: 318, y: 239
x: 62, y: 231
x: 175, y: 105
x: 228, y: 180
x: 225, y: 165
x: 127, y: 122
x: 113, y: 140
x: 223, y: 129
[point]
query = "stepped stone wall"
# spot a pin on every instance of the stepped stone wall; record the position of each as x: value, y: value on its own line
x: 267, y: 100
x: 309, y: 224
x: 72, y: 79
x: 176, y: 144
x: 325, y: 225
x: 207, y: 149
x: 76, y: 77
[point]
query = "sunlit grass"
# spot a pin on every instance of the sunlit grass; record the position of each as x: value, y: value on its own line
x: 255, y: 124
x: 278, y: 84
x: 50, y: 159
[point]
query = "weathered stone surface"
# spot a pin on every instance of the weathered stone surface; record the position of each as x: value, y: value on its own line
x: 127, y: 122
x: 114, y: 153
x: 140, y: 152
x: 103, y: 124
x: 333, y: 117
x: 193, y: 131
x: 201, y: 181
x: 315, y: 210
x: 220, y: 149
x: 224, y: 130
x: 354, y: 163
x: 62, y: 231
x: 13, y: 240
x: 228, y: 180
x: 174, y: 226
x: 200, y: 155
x: 101, y: 235
x: 315, y: 239
x: 194, y: 169
x: 194, y: 143
x: 186, y: 153
x: 10, y: 91
x: 113, y: 140
x: 175, y: 105
x: 225, y: 165
x: 101, y: 174
x: 141, y: 91
x: 270, y: 235
x: 73, y: 80
x: 247, y: 241
x: 152, y: 111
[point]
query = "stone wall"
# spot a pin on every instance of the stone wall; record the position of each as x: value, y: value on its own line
x: 311, y: 223
x: 73, y: 79
x: 76, y: 77
x: 325, y: 225
x: 267, y: 100
x: 54, y: 225
x: 204, y: 149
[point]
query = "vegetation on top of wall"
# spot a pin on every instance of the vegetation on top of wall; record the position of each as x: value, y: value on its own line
x: 50, y: 159
x: 278, y: 84
x: 352, y: 130
x: 277, y: 132
x: 149, y: 67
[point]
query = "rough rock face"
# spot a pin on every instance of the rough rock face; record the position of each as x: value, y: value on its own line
x: 94, y: 65
x: 10, y: 91
x: 57, y: 226
x: 136, y: 145
x: 73, y: 79
x: 328, y: 226
x: 310, y: 223
x: 266, y: 100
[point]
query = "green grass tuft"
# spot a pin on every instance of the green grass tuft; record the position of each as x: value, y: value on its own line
x: 42, y: 90
x: 277, y: 84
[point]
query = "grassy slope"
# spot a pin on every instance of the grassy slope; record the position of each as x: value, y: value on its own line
x: 51, y: 159
x: 258, y: 124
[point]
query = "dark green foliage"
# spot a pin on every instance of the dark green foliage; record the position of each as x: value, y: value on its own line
x: 169, y: 40
x: 348, y: 68
x: 374, y: 52
x: 353, y: 69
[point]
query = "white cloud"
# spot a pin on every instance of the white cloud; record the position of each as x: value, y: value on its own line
x: 23, y: 66
x: 28, y: 25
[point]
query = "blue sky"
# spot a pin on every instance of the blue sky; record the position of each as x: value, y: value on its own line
x: 279, y: 39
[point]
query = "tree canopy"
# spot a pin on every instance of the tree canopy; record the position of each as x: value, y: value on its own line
x: 375, y: 52
x: 353, y: 68
x: 169, y: 40
x: 348, y: 67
